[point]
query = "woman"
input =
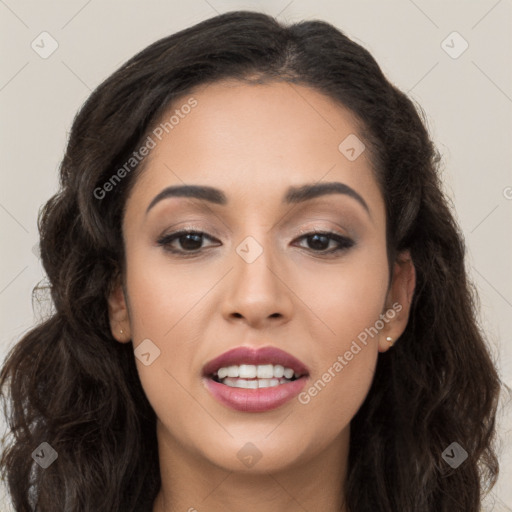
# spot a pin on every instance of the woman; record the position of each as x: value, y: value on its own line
x: 260, y: 294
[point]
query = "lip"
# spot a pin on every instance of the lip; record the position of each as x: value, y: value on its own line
x: 249, y: 355
x: 255, y: 400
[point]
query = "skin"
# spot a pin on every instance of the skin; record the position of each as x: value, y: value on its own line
x: 253, y: 142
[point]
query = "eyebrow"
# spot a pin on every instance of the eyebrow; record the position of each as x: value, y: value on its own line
x: 293, y: 195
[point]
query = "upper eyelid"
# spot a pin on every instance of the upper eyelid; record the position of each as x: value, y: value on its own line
x: 303, y: 232
x: 208, y: 232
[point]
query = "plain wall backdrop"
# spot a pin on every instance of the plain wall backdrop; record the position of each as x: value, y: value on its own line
x: 55, y: 53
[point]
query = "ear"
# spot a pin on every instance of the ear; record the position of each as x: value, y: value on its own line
x: 118, y: 314
x: 398, y: 301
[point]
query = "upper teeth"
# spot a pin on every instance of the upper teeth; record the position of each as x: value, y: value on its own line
x: 251, y: 371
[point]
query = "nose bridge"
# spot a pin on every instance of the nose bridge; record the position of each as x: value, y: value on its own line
x: 255, y: 251
x: 253, y: 266
x: 256, y: 290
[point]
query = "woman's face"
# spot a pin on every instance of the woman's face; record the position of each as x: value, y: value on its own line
x: 258, y: 276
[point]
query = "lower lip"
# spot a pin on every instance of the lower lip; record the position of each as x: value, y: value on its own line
x: 255, y: 400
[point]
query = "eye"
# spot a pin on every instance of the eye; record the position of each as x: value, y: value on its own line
x: 189, y: 240
x: 319, y: 242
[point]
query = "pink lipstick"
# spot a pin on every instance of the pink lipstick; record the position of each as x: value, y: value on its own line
x: 255, y: 380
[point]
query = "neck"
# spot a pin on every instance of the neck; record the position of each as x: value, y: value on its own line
x: 194, y: 484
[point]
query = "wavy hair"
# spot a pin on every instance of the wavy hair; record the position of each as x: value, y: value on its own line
x: 68, y: 382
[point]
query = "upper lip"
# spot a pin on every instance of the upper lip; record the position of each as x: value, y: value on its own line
x: 255, y: 356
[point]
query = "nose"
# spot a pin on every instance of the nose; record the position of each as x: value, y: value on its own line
x: 258, y: 291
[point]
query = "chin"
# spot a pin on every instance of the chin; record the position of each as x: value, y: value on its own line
x: 258, y: 454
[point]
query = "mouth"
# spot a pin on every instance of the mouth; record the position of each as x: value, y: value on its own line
x: 255, y: 380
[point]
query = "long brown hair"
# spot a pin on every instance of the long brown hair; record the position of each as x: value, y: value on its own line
x: 69, y: 383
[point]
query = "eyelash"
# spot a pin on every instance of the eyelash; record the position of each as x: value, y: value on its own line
x: 344, y: 242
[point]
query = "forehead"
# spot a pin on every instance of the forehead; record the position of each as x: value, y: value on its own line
x: 254, y: 141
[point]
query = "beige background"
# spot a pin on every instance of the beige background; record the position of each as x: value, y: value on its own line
x: 468, y: 101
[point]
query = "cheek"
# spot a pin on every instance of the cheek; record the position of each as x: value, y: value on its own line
x: 349, y: 302
x: 347, y: 299
x: 166, y: 308
x: 164, y: 297
x: 163, y: 314
x: 332, y: 398
x: 161, y: 310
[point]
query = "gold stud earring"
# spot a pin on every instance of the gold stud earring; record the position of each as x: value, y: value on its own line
x: 389, y: 339
x: 121, y: 331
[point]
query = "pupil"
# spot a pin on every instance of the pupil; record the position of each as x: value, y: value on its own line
x: 189, y: 243
x: 316, y: 244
